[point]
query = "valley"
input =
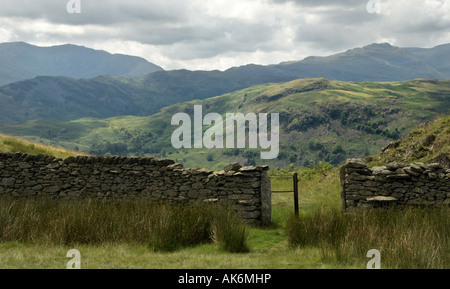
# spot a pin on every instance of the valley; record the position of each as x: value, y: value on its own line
x: 320, y: 120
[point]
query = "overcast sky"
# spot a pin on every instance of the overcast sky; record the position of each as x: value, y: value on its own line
x: 219, y: 34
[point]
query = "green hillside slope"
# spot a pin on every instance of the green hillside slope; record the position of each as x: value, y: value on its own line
x: 9, y: 144
x: 427, y: 143
x: 64, y: 99
x: 320, y: 120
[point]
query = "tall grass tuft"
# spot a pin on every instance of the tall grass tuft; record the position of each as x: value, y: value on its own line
x: 92, y: 222
x: 411, y: 238
x: 179, y: 226
x: 229, y: 232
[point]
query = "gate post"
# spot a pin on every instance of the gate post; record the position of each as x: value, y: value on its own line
x: 296, y: 194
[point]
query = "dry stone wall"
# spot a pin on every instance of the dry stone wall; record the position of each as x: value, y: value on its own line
x: 247, y: 189
x: 417, y: 184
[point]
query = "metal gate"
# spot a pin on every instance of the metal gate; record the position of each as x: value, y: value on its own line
x: 295, y: 190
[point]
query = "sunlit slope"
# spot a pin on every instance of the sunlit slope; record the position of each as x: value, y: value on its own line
x: 9, y: 144
x: 427, y: 143
x: 320, y: 120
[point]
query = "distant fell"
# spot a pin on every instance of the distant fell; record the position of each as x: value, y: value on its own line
x: 20, y: 61
x: 375, y: 62
x: 438, y: 57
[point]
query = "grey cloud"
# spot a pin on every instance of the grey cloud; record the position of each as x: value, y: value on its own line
x: 97, y: 12
x: 204, y: 41
x: 178, y: 30
x: 323, y: 3
x: 161, y: 22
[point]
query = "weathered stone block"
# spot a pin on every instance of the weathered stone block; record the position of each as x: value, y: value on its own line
x: 51, y: 190
x: 23, y: 166
x: 355, y: 197
x: 393, y: 166
x: 371, y: 184
x: 356, y: 177
x: 8, y: 182
x: 193, y: 194
x: 398, y: 177
x: 233, y: 167
x: 412, y: 172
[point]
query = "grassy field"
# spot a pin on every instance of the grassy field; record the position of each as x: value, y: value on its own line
x: 268, y: 248
x: 321, y: 238
x: 39, y: 235
x: 14, y: 144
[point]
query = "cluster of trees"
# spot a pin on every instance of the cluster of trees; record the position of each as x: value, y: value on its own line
x: 374, y: 129
x: 335, y: 156
x: 367, y: 126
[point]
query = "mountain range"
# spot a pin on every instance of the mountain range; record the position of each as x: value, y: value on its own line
x: 68, y: 98
x: 20, y: 61
x: 331, y: 108
x: 375, y: 62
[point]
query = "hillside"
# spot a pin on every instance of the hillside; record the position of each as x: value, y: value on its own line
x: 428, y: 143
x: 320, y: 120
x: 64, y: 99
x: 21, y: 61
x: 9, y: 144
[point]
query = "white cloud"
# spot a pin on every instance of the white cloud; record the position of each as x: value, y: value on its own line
x: 218, y: 34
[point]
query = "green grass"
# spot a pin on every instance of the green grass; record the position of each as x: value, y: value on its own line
x: 131, y: 256
x: 162, y: 227
x: 407, y: 239
x: 14, y: 144
x: 139, y: 235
